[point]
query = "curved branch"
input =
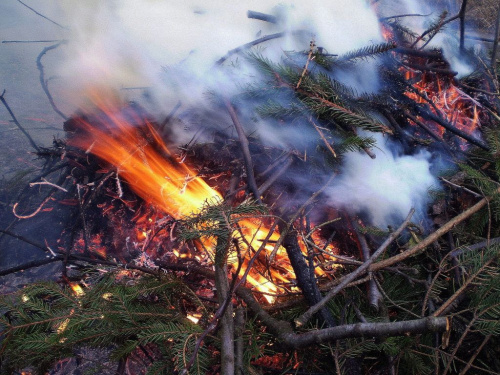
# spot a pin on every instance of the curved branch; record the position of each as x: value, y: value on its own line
x: 284, y: 332
x: 43, y: 82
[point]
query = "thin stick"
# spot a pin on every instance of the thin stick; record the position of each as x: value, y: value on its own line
x: 267, y: 184
x: 32, y: 264
x: 41, y: 15
x: 170, y: 115
x: 34, y: 213
x: 247, y: 158
x: 255, y: 42
x: 476, y: 353
x: 482, y: 39
x: 462, y: 289
x: 32, y: 142
x: 24, y: 239
x: 404, y: 15
x: 441, y: 24
x: 45, y: 182
x: 478, y: 90
x: 304, y: 318
x: 323, y: 138
x: 460, y: 187
x: 43, y: 82
x: 495, y: 43
x: 31, y: 41
x: 462, y: 25
x: 309, y: 58
x: 432, y: 237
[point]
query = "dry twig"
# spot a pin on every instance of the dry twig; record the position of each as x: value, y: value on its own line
x: 247, y: 157
x: 304, y: 318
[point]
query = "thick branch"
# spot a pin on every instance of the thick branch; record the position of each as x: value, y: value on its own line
x: 262, y: 16
x: 428, y: 324
x: 306, y: 282
x: 284, y: 332
x: 445, y: 124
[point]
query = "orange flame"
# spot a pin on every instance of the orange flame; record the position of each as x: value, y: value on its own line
x: 155, y: 174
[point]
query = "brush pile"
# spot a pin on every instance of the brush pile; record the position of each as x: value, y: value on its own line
x: 306, y: 223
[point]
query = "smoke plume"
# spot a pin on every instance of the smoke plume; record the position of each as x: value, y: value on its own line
x: 171, y: 48
x: 384, y: 188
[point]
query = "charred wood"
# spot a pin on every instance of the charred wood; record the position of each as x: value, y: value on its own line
x: 427, y: 114
x: 305, y: 282
x: 32, y: 264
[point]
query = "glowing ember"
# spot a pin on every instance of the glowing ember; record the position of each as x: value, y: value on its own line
x: 451, y: 103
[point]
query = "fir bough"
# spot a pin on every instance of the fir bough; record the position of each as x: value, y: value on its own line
x: 45, y: 322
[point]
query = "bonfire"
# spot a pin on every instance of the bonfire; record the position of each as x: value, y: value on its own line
x: 320, y: 208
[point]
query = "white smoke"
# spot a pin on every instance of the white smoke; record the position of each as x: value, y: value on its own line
x: 171, y: 47
x: 424, y: 14
x: 385, y: 188
x: 125, y: 43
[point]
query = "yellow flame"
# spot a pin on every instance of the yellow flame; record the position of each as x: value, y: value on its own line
x: 195, y: 318
x: 77, y: 289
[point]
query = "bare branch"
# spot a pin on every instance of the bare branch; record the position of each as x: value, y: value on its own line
x: 43, y: 82
x: 432, y: 237
x: 32, y: 142
x: 252, y: 185
x: 284, y: 332
x: 41, y: 15
x: 304, y: 318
